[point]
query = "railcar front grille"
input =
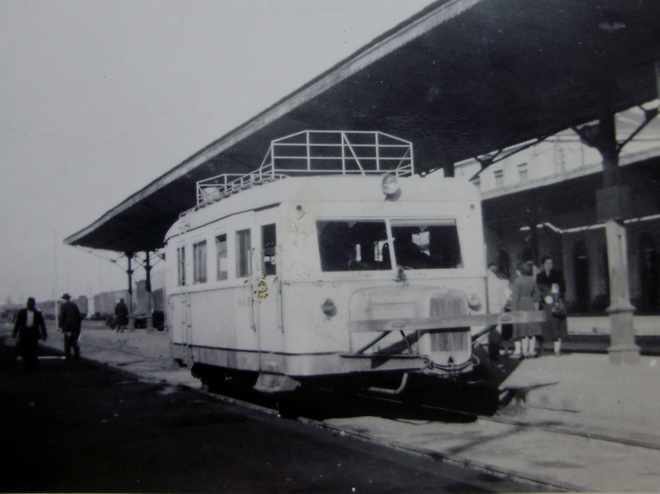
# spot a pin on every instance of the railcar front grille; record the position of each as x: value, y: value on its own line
x: 453, y: 341
x: 448, y: 306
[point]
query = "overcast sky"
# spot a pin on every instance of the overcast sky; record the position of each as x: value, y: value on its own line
x: 98, y: 98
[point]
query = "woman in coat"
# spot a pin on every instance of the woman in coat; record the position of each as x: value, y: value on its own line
x: 524, y: 295
x: 552, y: 288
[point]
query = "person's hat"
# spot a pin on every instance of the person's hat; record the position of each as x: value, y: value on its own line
x: 66, y: 296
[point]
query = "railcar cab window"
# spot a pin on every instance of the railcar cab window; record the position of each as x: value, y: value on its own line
x: 243, y: 254
x: 221, y: 257
x: 199, y: 262
x: 181, y: 266
x: 353, y: 245
x: 426, y: 245
x: 363, y: 245
x: 268, y: 245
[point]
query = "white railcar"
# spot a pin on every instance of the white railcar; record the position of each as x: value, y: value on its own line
x: 349, y: 279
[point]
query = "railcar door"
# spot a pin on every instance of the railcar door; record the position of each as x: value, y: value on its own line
x: 186, y: 325
x: 268, y: 299
x: 247, y: 338
x: 181, y: 310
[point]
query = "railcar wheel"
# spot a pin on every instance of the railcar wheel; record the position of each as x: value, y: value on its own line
x: 288, y: 408
x: 215, y: 385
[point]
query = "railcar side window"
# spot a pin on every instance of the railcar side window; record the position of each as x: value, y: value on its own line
x: 268, y: 244
x: 221, y: 257
x: 199, y: 262
x: 426, y: 245
x: 243, y: 254
x: 353, y: 245
x: 181, y: 266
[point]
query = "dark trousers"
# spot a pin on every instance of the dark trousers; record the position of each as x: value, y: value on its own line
x: 29, y: 350
x: 71, y: 343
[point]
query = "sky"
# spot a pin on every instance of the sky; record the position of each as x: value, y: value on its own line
x: 100, y: 97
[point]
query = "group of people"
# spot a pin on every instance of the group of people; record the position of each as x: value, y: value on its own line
x: 526, y: 293
x: 30, y: 327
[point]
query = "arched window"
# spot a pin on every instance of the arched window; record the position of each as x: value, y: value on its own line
x: 503, y: 263
x: 581, y: 276
x: 648, y: 273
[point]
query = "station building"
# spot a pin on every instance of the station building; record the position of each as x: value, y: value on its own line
x: 540, y: 200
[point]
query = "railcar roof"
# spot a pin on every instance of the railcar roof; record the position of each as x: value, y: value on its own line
x: 329, y: 189
x: 460, y: 78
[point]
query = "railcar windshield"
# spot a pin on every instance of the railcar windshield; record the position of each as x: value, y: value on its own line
x: 363, y: 245
x: 426, y: 245
x: 353, y: 245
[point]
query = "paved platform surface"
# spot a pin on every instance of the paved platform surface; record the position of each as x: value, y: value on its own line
x: 644, y: 325
x: 610, y: 413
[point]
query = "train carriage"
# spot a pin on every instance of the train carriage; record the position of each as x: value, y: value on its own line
x: 345, y: 270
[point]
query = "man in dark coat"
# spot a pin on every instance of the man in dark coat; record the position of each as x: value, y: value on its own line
x: 69, y: 322
x: 29, y: 328
x: 121, y: 315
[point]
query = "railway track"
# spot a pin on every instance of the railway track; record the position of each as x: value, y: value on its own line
x: 442, y: 430
x: 564, y: 430
x: 368, y: 401
x: 366, y: 416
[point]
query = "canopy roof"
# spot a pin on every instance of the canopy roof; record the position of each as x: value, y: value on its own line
x: 459, y: 79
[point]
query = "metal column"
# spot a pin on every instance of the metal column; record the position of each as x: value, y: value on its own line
x: 147, y: 268
x: 613, y: 206
x: 129, y: 271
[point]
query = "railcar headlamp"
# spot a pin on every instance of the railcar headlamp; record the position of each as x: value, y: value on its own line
x: 474, y: 302
x: 329, y: 308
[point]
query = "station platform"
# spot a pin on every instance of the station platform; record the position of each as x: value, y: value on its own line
x: 582, y: 389
x: 610, y: 413
x: 586, y: 392
x: 644, y: 325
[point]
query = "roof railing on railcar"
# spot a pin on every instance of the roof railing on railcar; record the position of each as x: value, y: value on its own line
x: 315, y: 152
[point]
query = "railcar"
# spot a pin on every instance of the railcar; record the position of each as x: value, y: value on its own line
x: 331, y: 265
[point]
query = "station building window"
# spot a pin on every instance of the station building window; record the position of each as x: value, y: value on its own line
x: 522, y: 172
x: 199, y: 262
x: 649, y: 267
x: 243, y: 254
x: 499, y: 178
x: 503, y: 263
x: 181, y: 266
x: 221, y: 257
x: 268, y: 245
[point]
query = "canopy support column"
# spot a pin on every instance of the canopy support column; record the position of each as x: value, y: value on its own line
x: 147, y: 269
x: 613, y: 206
x: 129, y: 271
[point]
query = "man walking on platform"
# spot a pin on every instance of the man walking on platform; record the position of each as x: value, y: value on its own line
x: 30, y: 327
x: 121, y: 316
x: 69, y: 322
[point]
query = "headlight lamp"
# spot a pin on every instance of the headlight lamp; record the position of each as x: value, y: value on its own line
x: 329, y: 308
x: 474, y: 302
